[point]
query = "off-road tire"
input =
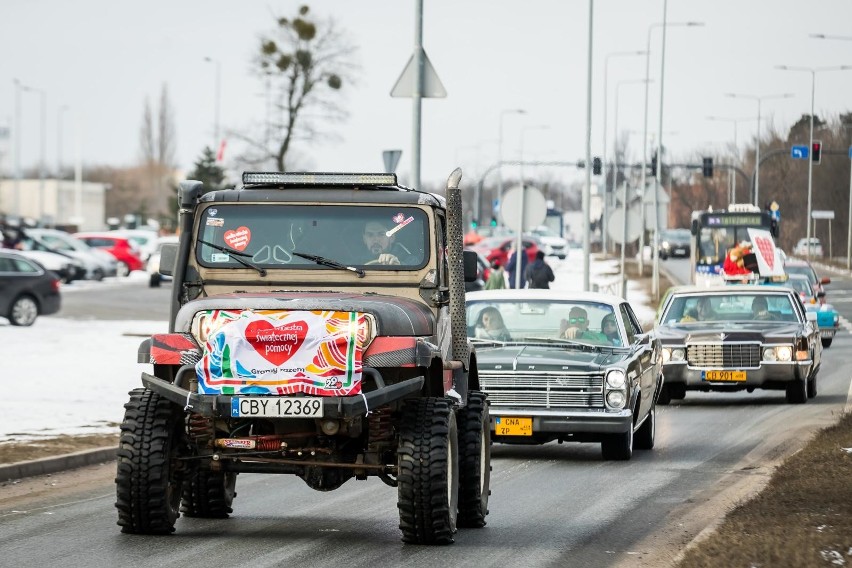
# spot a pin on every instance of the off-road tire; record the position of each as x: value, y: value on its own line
x: 148, y: 479
x: 647, y: 432
x: 208, y: 494
x: 428, y: 464
x: 618, y: 447
x: 797, y: 391
x: 474, y: 461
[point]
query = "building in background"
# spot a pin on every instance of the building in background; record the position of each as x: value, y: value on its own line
x: 56, y: 203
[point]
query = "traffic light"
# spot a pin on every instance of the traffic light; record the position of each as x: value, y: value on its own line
x: 474, y: 224
x: 597, y: 167
x: 816, y: 151
x: 654, y: 164
x: 493, y: 221
x: 707, y: 167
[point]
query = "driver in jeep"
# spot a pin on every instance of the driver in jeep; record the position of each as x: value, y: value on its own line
x: 381, y: 248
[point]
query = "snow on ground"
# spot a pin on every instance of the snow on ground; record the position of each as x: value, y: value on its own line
x: 72, y: 377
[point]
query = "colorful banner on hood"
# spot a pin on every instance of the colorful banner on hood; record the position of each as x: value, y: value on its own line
x: 282, y: 352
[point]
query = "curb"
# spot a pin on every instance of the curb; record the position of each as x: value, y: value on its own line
x: 56, y: 464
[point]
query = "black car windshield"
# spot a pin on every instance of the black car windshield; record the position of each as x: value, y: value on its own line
x: 378, y: 238
x: 527, y: 320
x: 697, y: 309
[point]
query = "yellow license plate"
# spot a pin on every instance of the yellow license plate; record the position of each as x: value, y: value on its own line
x: 725, y: 376
x: 512, y: 426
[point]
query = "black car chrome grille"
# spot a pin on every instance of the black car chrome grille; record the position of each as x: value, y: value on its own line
x: 543, y: 390
x: 724, y: 355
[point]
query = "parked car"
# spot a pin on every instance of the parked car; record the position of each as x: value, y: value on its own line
x: 793, y: 266
x: 66, y: 268
x: 719, y: 339
x: 144, y: 239
x: 98, y: 264
x: 827, y: 317
x: 541, y: 386
x: 27, y: 289
x: 497, y: 248
x: 551, y: 243
x: 153, y: 264
x: 122, y: 248
x: 675, y: 242
x: 801, y: 248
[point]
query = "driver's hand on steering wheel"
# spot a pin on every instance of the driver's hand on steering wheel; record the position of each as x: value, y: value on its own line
x: 387, y: 258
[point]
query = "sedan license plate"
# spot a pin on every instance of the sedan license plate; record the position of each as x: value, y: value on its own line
x: 724, y: 376
x: 274, y: 407
x: 512, y: 426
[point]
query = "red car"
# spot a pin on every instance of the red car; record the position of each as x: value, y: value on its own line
x: 122, y: 248
x: 497, y: 248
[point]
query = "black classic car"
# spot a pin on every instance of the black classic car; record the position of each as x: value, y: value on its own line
x: 739, y: 337
x: 562, y: 366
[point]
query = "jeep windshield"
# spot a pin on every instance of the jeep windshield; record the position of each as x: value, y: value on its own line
x: 270, y: 235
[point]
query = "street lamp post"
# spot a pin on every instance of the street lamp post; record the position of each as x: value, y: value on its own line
x: 734, y: 121
x: 503, y: 113
x: 663, y: 24
x: 59, y: 114
x: 757, y: 143
x: 41, y: 163
x: 17, y: 185
x: 813, y: 71
x: 624, y: 192
x: 603, y: 155
x: 216, y: 140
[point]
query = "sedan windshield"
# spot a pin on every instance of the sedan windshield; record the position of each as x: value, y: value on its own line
x: 519, y: 320
x: 700, y: 308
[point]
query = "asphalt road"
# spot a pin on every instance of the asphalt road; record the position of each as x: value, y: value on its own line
x: 553, y: 505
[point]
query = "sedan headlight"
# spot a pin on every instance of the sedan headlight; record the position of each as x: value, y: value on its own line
x: 780, y: 353
x: 784, y: 353
x: 615, y: 399
x: 616, y: 379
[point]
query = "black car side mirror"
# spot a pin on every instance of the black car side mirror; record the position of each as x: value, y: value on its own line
x: 471, y: 266
x: 168, y: 259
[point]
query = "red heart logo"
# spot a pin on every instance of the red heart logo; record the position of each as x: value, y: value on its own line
x: 238, y: 239
x: 767, y: 250
x: 276, y: 344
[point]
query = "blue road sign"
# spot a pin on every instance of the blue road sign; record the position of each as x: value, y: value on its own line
x: 850, y: 152
x: 799, y: 152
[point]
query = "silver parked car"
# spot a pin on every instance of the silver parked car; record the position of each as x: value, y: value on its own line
x: 98, y: 263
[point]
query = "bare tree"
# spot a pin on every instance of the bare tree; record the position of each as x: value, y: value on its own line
x: 166, y: 139
x: 146, y: 134
x: 157, y: 148
x: 304, y: 64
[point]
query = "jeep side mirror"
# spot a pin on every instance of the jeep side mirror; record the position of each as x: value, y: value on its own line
x: 470, y: 265
x: 168, y: 259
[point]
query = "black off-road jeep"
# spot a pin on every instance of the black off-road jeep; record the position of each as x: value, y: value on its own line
x: 317, y: 329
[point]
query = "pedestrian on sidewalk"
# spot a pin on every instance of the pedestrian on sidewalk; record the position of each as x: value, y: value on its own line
x: 497, y: 278
x: 539, y: 274
x: 512, y: 265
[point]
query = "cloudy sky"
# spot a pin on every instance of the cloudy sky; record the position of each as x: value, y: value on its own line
x: 102, y: 58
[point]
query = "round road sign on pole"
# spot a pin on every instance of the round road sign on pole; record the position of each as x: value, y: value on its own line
x: 534, y: 208
x: 615, y: 225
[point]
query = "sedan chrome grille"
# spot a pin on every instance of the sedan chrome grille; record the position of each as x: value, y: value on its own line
x: 542, y: 390
x: 724, y: 355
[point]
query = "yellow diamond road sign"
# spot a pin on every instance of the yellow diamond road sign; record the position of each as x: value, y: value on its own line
x: 432, y: 86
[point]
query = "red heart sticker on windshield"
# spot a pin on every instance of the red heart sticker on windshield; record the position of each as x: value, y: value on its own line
x: 276, y: 344
x: 238, y: 239
x: 767, y: 250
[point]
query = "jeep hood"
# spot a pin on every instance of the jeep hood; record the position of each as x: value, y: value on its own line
x: 394, y: 316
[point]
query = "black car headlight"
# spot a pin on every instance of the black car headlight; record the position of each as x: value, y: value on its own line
x: 616, y: 388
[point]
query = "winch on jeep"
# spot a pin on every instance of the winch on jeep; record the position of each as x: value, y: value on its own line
x: 317, y: 329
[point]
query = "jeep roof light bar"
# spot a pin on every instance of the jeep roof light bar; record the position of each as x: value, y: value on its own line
x: 303, y: 178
